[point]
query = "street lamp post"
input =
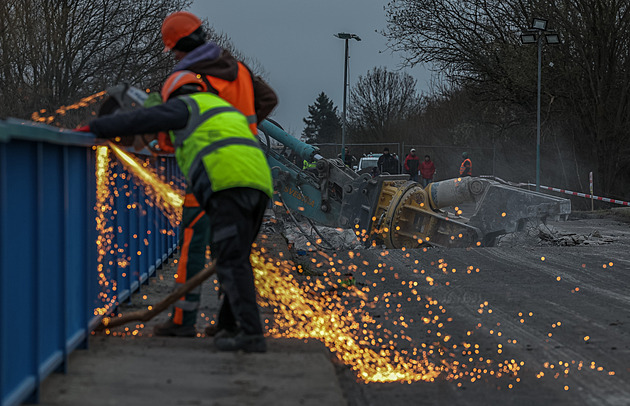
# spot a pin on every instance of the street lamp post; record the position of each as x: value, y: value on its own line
x: 345, y: 36
x: 535, y: 35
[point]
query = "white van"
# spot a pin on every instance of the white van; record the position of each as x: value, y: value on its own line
x: 367, y: 163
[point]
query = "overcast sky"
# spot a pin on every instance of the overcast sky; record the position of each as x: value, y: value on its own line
x: 294, y: 41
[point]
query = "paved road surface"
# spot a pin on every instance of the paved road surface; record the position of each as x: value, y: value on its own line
x: 560, y: 311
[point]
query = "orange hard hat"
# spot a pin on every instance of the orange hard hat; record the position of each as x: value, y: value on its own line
x: 179, y: 79
x: 177, y: 26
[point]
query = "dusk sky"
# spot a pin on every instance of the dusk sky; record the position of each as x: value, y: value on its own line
x: 294, y: 41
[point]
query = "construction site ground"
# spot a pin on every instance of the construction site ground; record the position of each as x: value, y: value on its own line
x: 560, y: 312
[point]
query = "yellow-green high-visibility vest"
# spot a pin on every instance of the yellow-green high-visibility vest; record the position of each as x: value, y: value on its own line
x: 307, y: 165
x: 217, y: 151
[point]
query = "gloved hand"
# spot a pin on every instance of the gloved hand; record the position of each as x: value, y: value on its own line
x: 154, y: 99
x: 84, y: 129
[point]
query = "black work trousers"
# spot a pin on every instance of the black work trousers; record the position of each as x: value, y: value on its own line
x: 235, y: 218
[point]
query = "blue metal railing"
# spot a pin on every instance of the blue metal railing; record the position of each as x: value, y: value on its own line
x: 50, y: 286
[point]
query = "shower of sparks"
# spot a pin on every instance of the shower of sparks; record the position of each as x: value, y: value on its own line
x: 112, y: 258
x: 313, y: 310
x: 105, y: 231
x: 329, y: 305
x: 334, y: 309
x: 41, y: 117
x: 162, y: 195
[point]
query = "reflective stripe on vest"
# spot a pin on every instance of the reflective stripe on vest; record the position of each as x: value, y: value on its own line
x: 175, y: 82
x: 219, y: 151
x: 196, y: 119
x: 239, y: 93
x: 219, y: 144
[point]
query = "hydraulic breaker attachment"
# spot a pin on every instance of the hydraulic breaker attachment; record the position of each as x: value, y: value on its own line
x: 499, y: 208
x: 396, y: 212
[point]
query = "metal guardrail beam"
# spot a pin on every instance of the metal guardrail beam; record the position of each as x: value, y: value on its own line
x: 13, y: 128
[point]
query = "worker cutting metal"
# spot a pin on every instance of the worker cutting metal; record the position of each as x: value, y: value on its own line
x: 222, y: 74
x: 228, y: 175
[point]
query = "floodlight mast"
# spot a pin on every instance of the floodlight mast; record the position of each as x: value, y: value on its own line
x: 535, y: 35
x: 345, y: 36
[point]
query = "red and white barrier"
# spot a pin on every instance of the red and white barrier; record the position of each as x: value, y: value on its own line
x: 568, y: 192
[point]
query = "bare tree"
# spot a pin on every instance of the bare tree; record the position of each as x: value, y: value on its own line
x: 379, y: 102
x: 586, y: 78
x: 54, y: 52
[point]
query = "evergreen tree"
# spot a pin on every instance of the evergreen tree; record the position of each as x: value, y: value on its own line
x: 323, y: 124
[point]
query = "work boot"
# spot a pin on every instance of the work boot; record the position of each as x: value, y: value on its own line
x: 241, y: 341
x: 215, y: 330
x: 170, y: 329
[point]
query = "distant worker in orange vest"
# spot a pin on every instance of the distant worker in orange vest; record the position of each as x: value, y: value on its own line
x: 223, y: 75
x: 466, y: 167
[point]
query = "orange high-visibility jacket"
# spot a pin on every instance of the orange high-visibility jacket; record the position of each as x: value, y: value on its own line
x: 239, y: 93
x: 466, y: 168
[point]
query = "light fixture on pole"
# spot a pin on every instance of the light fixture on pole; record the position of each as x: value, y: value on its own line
x: 539, y: 24
x: 552, y: 39
x: 535, y: 35
x: 345, y: 36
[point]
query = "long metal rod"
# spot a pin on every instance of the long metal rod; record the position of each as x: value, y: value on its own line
x: 146, y: 315
x: 540, y: 36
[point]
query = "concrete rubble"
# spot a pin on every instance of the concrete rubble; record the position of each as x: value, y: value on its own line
x: 554, y: 237
x: 302, y: 239
x: 547, y: 235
